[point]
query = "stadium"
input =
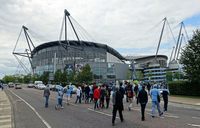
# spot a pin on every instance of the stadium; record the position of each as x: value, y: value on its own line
x: 106, y: 63
x: 152, y: 71
x: 71, y: 55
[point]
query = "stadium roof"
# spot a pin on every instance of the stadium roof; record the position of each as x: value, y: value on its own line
x: 82, y: 44
x: 144, y: 57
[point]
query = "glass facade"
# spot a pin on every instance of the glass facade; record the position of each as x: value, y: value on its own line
x: 52, y: 58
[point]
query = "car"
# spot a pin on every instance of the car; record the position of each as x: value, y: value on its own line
x: 41, y: 86
x: 30, y: 85
x: 58, y: 87
x: 18, y: 86
x: 36, y: 83
x: 11, y: 85
x: 51, y: 86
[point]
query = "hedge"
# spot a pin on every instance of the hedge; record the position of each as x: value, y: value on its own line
x: 184, y: 88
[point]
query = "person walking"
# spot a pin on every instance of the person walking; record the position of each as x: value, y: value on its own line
x: 165, y: 94
x: 155, y: 95
x: 78, y: 95
x: 60, y: 99
x: 108, y: 91
x: 117, y: 105
x: 91, y: 93
x: 130, y: 95
x: 87, y: 93
x: 68, y: 94
x: 46, y: 94
x: 142, y: 99
x: 96, y: 97
x: 102, y: 96
x: 148, y: 87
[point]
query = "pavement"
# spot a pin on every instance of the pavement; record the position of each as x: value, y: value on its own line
x: 5, y: 111
x: 6, y: 108
x: 185, y: 100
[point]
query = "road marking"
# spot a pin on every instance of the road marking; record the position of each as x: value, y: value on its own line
x: 171, y: 116
x: 5, y: 126
x: 5, y: 120
x: 5, y: 116
x: 5, y: 108
x: 101, y: 113
x: 196, y: 117
x: 194, y: 125
x: 47, y: 124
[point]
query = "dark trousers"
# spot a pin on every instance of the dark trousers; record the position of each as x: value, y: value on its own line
x: 78, y: 98
x: 115, y: 113
x: 165, y: 104
x: 107, y: 102
x: 60, y: 102
x: 91, y: 97
x: 102, y: 102
x: 87, y: 96
x: 46, y: 101
x: 143, y: 105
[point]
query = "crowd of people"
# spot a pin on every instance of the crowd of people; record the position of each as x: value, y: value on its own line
x: 120, y: 92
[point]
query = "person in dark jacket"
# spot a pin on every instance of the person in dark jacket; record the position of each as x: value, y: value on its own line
x: 122, y: 90
x: 165, y: 94
x: 117, y: 105
x: 46, y: 95
x: 108, y: 91
x: 142, y: 99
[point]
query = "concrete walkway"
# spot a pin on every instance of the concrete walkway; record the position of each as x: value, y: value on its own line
x: 5, y: 111
x: 185, y: 100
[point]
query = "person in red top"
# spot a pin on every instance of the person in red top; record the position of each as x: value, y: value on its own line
x: 96, y: 97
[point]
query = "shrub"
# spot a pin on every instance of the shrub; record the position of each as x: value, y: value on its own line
x: 184, y: 88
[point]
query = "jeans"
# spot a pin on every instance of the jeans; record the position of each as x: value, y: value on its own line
x: 46, y: 101
x: 154, y: 104
x: 60, y: 101
x: 96, y: 103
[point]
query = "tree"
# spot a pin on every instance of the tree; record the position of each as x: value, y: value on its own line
x: 85, y: 75
x: 9, y: 78
x: 45, y: 77
x: 190, y: 57
x: 58, y: 76
x: 169, y: 76
x: 27, y: 78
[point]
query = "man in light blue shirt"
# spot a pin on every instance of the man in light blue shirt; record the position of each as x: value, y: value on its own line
x: 155, y: 94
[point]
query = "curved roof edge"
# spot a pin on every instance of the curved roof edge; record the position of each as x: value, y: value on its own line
x: 136, y: 58
x: 79, y: 43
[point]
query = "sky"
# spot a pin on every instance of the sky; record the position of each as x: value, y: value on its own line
x: 132, y: 27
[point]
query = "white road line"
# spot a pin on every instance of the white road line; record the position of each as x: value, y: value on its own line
x: 6, y: 126
x: 101, y: 113
x: 5, y: 116
x: 5, y: 120
x: 171, y: 116
x: 5, y: 108
x: 194, y: 125
x: 47, y: 124
x: 195, y: 117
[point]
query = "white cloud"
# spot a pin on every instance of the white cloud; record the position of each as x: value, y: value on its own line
x: 118, y: 23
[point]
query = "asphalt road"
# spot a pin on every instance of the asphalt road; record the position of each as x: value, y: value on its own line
x: 29, y: 112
